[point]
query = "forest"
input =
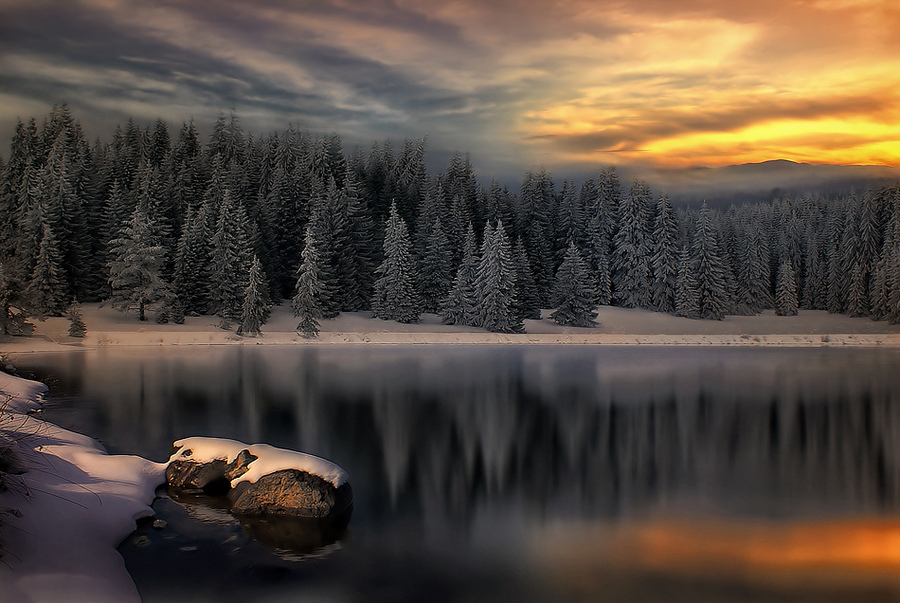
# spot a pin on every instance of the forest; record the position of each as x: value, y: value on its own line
x: 167, y: 226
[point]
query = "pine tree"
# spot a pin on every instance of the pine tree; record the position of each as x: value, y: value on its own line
x: 135, y: 267
x: 12, y: 301
x: 77, y: 328
x: 396, y: 297
x: 631, y: 260
x: 574, y: 295
x: 434, y: 269
x: 664, y: 256
x: 309, y: 290
x: 459, y: 307
x: 255, y: 310
x: 786, y: 290
x: 47, y: 287
x: 192, y: 276
x: 495, y: 285
x: 528, y: 299
x: 687, y: 296
x: 710, y: 268
x: 231, y: 257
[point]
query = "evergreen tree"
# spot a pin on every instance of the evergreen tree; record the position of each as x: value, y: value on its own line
x: 459, y: 307
x: 434, y: 269
x: 687, y: 296
x: 574, y: 294
x: 631, y: 272
x: 495, y: 285
x: 396, y: 297
x: 528, y: 299
x: 47, y: 287
x: 231, y: 257
x: 309, y: 290
x: 710, y: 269
x: 255, y: 310
x: 786, y: 290
x: 77, y: 328
x: 192, y: 278
x: 664, y: 256
x: 135, y: 267
x: 12, y: 302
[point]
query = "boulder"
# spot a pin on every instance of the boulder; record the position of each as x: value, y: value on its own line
x: 212, y: 477
x: 289, y: 493
x: 293, y: 493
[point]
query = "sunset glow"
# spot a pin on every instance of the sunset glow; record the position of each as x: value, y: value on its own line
x: 579, y: 82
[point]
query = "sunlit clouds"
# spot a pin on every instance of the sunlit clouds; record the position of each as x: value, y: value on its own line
x: 568, y: 83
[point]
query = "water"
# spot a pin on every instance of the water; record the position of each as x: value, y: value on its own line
x: 579, y: 473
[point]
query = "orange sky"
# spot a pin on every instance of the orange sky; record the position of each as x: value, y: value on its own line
x: 659, y: 83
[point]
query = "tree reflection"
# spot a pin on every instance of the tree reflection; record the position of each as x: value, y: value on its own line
x: 576, y: 431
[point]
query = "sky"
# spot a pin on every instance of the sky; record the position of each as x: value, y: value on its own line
x: 565, y: 84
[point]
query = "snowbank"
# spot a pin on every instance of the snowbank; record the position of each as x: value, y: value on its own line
x: 270, y: 459
x: 68, y: 511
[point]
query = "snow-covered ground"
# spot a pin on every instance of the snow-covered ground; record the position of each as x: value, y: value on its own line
x: 64, y: 516
x: 618, y: 326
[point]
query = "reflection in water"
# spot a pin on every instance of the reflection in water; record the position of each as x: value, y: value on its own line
x: 482, y: 448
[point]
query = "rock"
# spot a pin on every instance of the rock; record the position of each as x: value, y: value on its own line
x: 239, y: 466
x: 213, y: 477
x: 293, y: 493
x: 160, y: 524
x: 189, y: 475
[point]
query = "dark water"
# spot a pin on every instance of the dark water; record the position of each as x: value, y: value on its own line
x: 521, y: 473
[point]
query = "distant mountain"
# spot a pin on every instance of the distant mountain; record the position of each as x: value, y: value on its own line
x: 751, y: 182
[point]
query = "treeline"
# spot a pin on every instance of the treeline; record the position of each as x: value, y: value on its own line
x: 176, y: 226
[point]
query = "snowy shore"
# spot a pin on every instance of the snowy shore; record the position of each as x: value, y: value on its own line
x: 616, y: 326
x: 68, y: 510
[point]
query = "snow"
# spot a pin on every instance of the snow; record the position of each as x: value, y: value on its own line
x: 20, y: 395
x: 270, y: 459
x: 616, y: 326
x: 68, y: 511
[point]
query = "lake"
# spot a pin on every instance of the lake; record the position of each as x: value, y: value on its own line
x: 517, y: 473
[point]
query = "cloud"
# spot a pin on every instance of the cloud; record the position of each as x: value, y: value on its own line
x: 517, y: 83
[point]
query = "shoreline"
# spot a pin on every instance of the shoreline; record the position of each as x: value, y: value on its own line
x: 616, y: 326
x: 185, y: 339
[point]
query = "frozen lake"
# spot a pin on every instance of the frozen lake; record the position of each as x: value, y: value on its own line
x: 521, y: 473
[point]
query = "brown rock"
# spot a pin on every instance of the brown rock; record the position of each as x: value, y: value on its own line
x: 191, y: 475
x: 291, y: 493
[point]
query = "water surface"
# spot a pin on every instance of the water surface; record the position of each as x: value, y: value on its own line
x: 522, y: 473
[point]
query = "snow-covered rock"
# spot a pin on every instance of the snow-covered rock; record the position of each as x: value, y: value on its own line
x: 261, y: 479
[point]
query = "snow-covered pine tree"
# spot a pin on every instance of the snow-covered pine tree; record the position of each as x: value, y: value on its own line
x: 396, y: 296
x: 786, y: 290
x: 687, y: 297
x: 753, y: 281
x: 495, y: 285
x: 569, y: 218
x: 47, y: 286
x: 631, y: 259
x: 528, y: 300
x: 77, y: 328
x: 309, y: 290
x: 459, y: 307
x: 710, y: 269
x: 135, y: 266
x: 231, y: 256
x: 575, y: 297
x: 255, y: 310
x: 834, y: 228
x: 435, y: 277
x: 664, y: 256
